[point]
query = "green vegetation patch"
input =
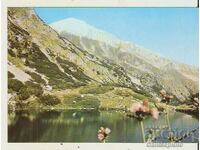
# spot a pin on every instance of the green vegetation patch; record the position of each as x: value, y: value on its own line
x: 74, y: 70
x: 95, y: 89
x: 34, y: 88
x: 142, y: 97
x: 43, y: 65
x: 29, y: 89
x: 18, y: 40
x: 24, y: 91
x: 89, y: 102
x: 82, y: 101
x: 15, y: 85
x: 37, y: 78
x: 50, y: 100
x: 124, y: 92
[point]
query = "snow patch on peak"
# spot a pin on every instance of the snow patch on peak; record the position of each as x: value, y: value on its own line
x: 82, y: 29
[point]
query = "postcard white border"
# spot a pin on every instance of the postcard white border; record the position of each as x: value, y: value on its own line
x: 103, y: 3
x: 71, y: 3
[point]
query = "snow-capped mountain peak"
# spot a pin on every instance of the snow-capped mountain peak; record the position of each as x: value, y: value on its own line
x: 81, y: 28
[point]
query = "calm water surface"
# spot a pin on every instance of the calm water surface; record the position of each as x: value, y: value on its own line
x: 82, y: 126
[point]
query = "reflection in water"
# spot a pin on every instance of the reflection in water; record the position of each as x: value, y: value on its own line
x: 82, y: 126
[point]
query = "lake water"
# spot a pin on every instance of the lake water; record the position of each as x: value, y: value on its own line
x: 82, y: 126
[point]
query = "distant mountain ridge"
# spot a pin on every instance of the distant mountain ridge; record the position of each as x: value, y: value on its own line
x: 81, y: 28
x: 179, y: 79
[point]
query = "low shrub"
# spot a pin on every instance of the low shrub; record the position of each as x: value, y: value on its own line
x: 29, y: 89
x: 24, y: 93
x: 34, y: 88
x: 49, y: 100
x: 15, y: 84
x: 10, y: 75
x: 11, y: 53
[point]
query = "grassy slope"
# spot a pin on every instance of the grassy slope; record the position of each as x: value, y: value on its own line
x: 94, y: 97
x: 43, y: 50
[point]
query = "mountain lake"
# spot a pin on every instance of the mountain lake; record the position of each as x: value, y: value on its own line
x: 82, y: 126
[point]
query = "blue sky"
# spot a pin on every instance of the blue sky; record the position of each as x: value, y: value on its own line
x: 171, y: 32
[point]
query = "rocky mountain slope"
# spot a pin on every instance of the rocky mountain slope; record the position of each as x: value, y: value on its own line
x: 146, y: 68
x: 40, y: 62
x: 39, y: 48
x: 52, y: 70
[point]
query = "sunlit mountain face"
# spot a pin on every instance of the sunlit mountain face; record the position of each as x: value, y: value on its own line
x: 138, y: 61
